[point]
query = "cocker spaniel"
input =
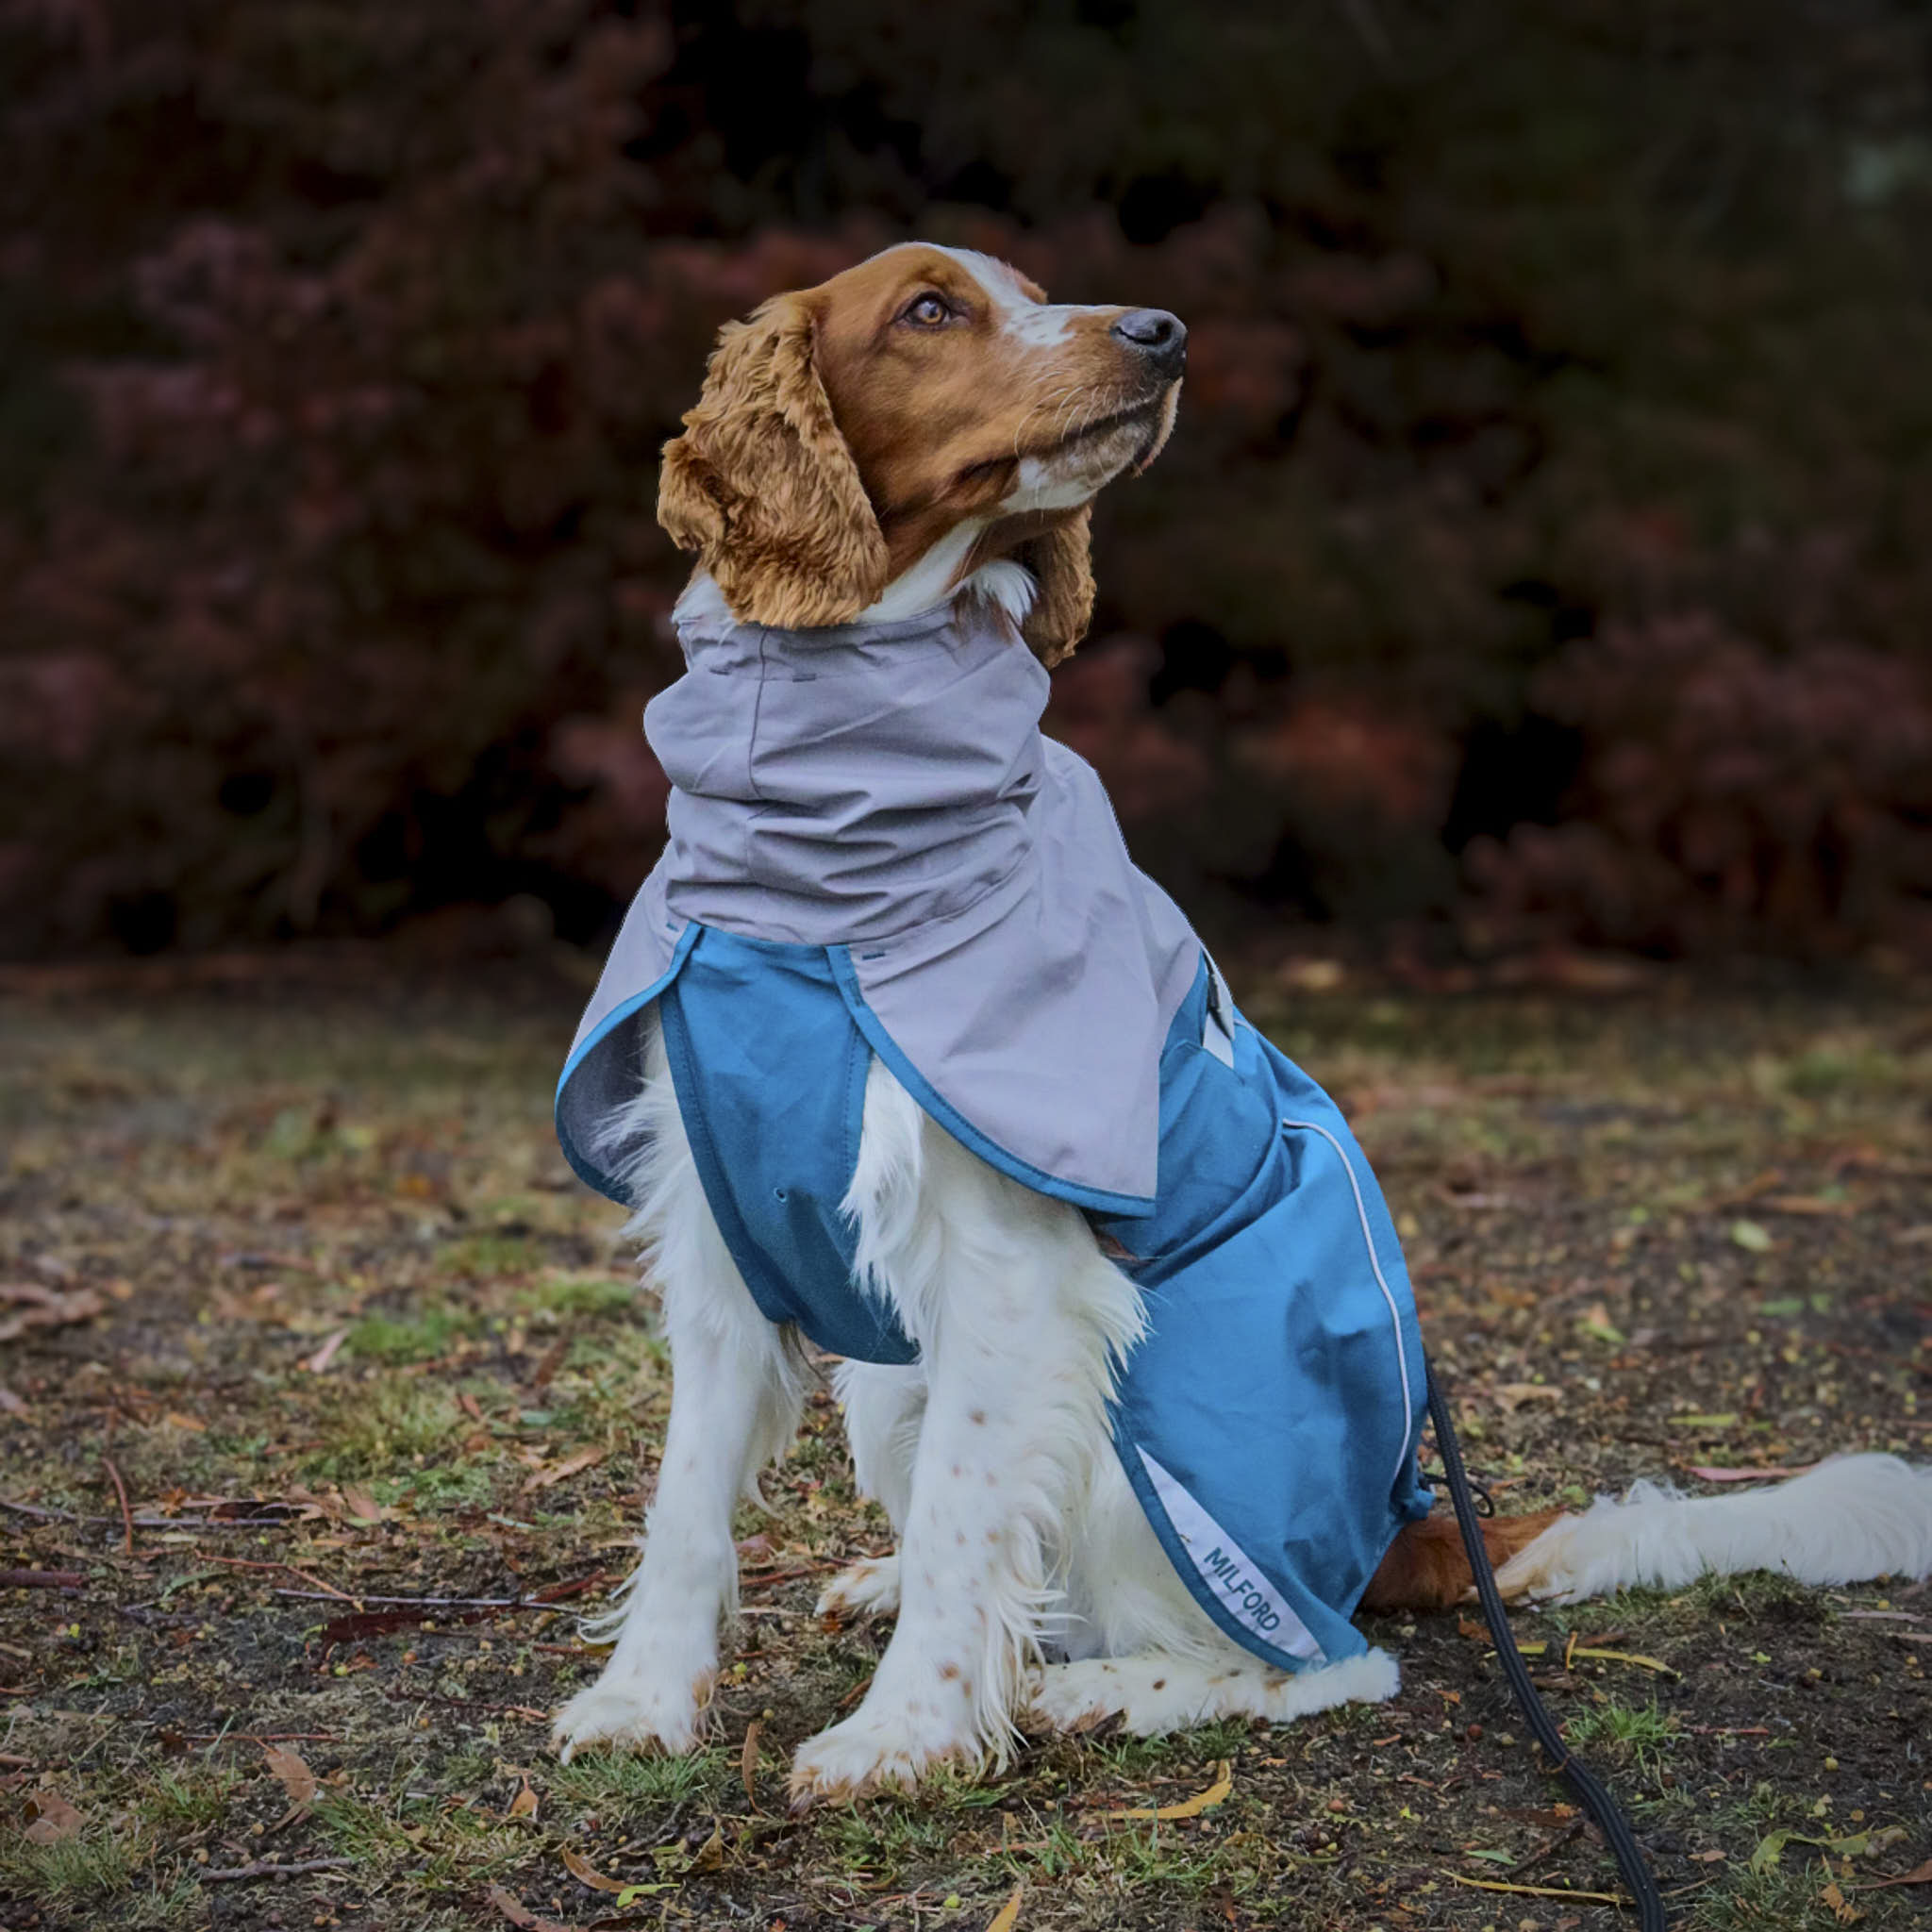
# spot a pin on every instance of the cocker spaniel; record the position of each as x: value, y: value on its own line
x: 898, y: 1053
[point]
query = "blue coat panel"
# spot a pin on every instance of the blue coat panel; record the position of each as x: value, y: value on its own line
x: 1268, y: 1421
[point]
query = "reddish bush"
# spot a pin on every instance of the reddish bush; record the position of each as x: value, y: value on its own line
x: 1730, y: 796
x: 337, y: 343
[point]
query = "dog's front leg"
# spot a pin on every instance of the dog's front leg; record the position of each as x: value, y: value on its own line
x: 738, y: 1386
x: 1018, y: 1317
x: 734, y: 1401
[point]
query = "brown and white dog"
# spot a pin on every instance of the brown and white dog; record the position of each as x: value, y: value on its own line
x: 924, y: 427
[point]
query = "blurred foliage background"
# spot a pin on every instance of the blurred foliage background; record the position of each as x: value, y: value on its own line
x: 1544, y: 557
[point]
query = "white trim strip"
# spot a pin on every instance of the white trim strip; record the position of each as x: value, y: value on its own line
x: 1361, y: 1209
x: 1234, y: 1579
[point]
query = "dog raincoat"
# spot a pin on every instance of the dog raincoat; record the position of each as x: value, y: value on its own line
x: 874, y: 850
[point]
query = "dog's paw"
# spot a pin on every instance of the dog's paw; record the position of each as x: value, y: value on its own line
x: 1547, y: 1572
x: 626, y: 1713
x: 1075, y: 1697
x: 869, y: 1588
x: 876, y: 1751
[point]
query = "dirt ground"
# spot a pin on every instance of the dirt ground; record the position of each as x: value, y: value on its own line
x: 330, y: 1404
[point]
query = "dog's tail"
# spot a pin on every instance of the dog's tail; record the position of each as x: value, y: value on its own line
x: 1847, y: 1521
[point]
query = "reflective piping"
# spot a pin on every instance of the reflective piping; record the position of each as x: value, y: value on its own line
x: 1361, y: 1209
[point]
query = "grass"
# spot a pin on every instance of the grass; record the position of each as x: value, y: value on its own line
x: 83, y: 1872
x: 1634, y: 1728
x: 193, y: 1799
x: 486, y: 1256
x: 885, y: 1838
x: 1787, y: 1900
x: 582, y: 1294
x: 628, y: 1783
x: 415, y: 1338
x: 1567, y: 1176
x: 378, y: 1423
x: 1639, y: 1735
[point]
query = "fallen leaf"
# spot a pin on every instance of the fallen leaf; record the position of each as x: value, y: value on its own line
x: 1596, y: 1321
x: 317, y: 1365
x: 524, y: 1804
x: 1808, y: 1204
x: 710, y: 1855
x: 1841, y: 1908
x: 748, y: 1763
x: 1187, y: 1808
x: 1009, y: 1915
x: 522, y: 1916
x: 1919, y: 1874
x: 295, y: 1779
x: 1752, y: 1238
x: 584, y: 1872
x: 50, y: 1817
x: 1514, y: 1394
x: 1625, y: 1656
x: 545, y: 1370
x: 46, y: 1307
x: 1771, y: 1847
x: 559, y: 1472
x: 1605, y: 1898
x: 362, y: 1507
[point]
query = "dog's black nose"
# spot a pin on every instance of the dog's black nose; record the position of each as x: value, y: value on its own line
x: 1159, y: 336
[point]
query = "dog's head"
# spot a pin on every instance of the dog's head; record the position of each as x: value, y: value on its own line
x: 928, y: 396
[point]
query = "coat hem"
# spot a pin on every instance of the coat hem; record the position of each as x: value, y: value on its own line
x: 582, y: 1165
x: 933, y: 1103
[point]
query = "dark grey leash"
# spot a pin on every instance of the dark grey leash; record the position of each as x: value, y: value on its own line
x: 1596, y: 1799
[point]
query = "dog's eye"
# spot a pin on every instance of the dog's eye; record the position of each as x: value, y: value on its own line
x: 927, y: 310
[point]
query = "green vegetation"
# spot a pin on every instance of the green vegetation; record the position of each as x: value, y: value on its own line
x: 1561, y: 1170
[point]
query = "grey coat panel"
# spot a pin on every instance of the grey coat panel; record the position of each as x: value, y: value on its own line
x: 886, y: 791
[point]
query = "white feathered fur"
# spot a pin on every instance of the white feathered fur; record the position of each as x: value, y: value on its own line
x: 1850, y: 1518
x: 1019, y: 1536
x: 1020, y: 1540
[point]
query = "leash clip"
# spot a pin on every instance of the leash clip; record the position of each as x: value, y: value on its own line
x: 1479, y: 1494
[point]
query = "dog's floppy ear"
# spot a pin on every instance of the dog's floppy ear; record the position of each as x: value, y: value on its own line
x: 762, y: 485
x: 1062, y: 562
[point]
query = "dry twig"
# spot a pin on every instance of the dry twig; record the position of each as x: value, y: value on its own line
x: 268, y: 1868
x: 121, y: 1494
